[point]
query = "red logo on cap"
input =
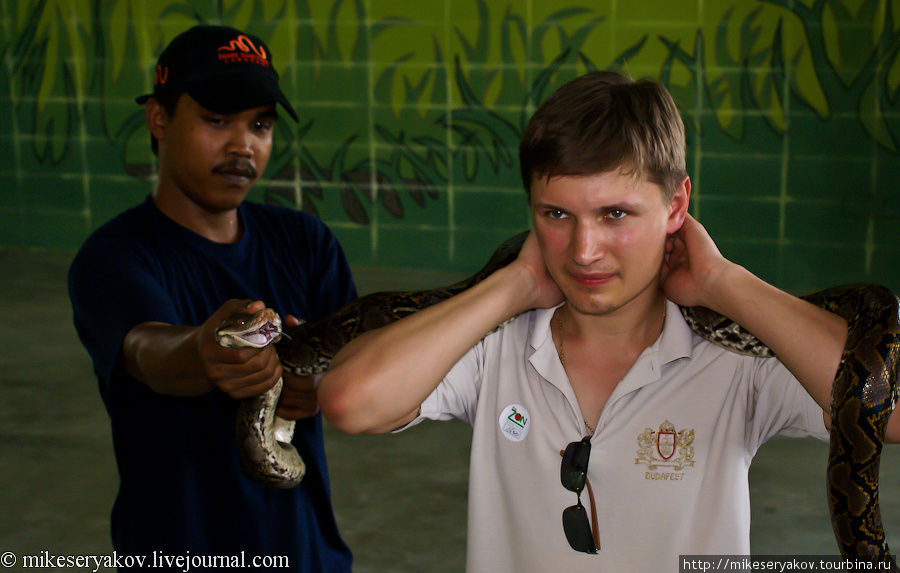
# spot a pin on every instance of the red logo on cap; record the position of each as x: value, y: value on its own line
x: 161, y: 75
x: 242, y: 49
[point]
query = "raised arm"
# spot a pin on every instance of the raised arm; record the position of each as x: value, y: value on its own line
x: 807, y: 339
x: 188, y: 361
x: 378, y: 381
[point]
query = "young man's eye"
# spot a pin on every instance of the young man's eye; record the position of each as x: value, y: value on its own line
x: 616, y: 214
x: 555, y: 213
x: 263, y: 125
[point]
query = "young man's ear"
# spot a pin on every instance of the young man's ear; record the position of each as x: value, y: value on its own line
x: 156, y: 118
x: 678, y: 206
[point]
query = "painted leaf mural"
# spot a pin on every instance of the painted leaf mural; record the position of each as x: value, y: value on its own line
x: 411, y: 114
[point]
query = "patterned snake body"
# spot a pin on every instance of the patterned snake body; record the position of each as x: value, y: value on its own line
x: 264, y: 439
x: 310, y: 347
x: 863, y: 398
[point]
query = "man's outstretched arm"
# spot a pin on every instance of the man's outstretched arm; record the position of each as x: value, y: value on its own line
x: 188, y: 361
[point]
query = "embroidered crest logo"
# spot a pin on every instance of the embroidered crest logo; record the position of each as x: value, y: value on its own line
x: 665, y: 448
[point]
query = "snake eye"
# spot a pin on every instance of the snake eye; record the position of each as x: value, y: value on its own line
x: 242, y: 322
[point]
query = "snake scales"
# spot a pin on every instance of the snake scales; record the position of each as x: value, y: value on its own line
x: 264, y: 439
x: 863, y: 398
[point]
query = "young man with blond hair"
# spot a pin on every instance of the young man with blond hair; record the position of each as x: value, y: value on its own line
x: 598, y: 380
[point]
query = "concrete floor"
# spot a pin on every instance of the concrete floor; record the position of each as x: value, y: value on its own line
x: 400, y: 500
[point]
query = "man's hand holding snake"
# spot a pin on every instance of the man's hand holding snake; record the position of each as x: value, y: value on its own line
x: 239, y: 372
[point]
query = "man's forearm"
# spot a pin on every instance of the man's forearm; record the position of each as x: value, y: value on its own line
x: 162, y: 356
x: 378, y: 381
x: 807, y: 339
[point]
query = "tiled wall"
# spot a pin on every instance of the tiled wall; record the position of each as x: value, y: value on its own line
x: 411, y: 113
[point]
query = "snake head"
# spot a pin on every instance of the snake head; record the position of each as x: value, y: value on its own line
x: 250, y: 330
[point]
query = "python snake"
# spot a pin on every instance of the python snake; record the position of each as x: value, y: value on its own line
x: 264, y: 439
x: 863, y: 397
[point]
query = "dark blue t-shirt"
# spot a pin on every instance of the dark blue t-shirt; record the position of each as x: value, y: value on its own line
x: 182, y: 490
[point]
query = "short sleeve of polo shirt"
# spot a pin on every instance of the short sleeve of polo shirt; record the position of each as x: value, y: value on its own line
x: 780, y: 405
x: 457, y: 394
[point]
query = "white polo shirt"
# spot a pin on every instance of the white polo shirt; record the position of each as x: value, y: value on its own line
x: 669, y: 460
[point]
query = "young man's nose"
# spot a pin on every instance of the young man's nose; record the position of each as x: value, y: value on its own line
x: 588, y: 243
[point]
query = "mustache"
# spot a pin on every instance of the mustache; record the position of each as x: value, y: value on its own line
x: 242, y: 167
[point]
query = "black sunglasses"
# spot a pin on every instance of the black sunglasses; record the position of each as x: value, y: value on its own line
x: 573, y: 474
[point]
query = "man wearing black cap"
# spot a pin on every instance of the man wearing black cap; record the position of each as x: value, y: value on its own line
x: 150, y: 287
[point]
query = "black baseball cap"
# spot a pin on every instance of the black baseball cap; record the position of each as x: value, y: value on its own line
x: 223, y: 69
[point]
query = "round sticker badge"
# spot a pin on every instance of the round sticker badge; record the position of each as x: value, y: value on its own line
x: 514, y: 422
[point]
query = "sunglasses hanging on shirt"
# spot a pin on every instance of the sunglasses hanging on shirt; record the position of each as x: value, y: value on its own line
x: 580, y: 533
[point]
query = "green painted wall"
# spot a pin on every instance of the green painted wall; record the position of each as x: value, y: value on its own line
x: 411, y: 114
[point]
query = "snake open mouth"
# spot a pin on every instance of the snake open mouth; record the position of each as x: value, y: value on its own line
x: 262, y: 336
